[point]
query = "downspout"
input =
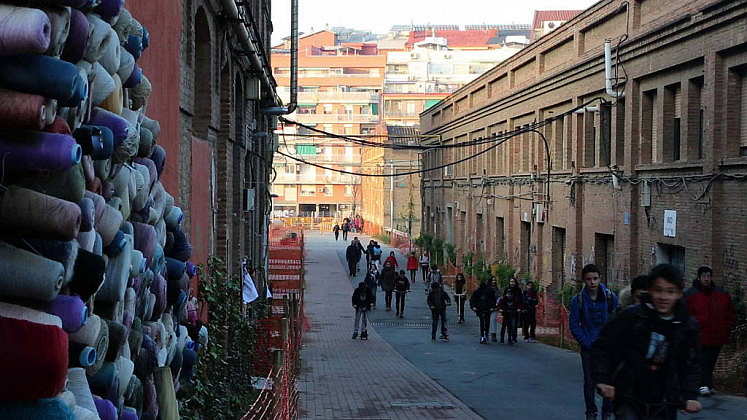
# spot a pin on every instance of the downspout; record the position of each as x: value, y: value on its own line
x: 285, y: 110
x: 609, y: 78
x: 249, y: 46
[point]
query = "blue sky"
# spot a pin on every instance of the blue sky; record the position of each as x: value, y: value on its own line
x: 380, y: 15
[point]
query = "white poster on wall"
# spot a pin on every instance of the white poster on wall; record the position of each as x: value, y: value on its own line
x: 670, y: 223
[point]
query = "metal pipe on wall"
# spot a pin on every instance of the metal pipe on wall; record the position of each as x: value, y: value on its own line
x: 285, y: 110
x: 252, y: 50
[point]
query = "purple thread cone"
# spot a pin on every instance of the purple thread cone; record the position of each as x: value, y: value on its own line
x: 71, y: 310
x: 119, y: 126
x: 23, y: 30
x: 77, y: 38
x: 108, y: 9
x: 38, y: 151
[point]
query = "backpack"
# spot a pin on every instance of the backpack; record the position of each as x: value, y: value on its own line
x: 377, y: 251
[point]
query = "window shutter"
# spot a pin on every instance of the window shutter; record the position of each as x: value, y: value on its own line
x: 743, y: 113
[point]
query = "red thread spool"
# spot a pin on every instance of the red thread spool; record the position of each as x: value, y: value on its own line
x: 21, y: 110
x: 33, y: 360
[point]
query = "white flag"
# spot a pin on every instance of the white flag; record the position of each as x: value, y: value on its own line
x: 249, y: 290
x: 269, y: 294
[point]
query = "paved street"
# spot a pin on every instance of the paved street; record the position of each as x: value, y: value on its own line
x: 399, y: 368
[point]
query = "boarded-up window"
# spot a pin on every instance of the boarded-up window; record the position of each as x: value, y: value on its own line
x: 610, y: 28
x: 525, y: 72
x: 743, y: 116
x: 497, y: 86
x: 654, y: 128
x: 558, y: 55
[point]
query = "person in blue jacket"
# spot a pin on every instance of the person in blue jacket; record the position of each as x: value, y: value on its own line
x: 590, y: 310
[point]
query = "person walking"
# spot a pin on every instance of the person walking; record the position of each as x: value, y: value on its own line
x: 345, y: 230
x: 510, y: 304
x: 425, y: 263
x: 392, y: 259
x: 589, y: 311
x: 336, y: 230
x: 460, y: 294
x: 412, y: 266
x: 361, y: 250
x: 362, y: 302
x: 376, y: 254
x: 482, y: 303
x: 386, y: 280
x: 711, y: 306
x: 438, y: 300
x: 433, y: 276
x: 369, y: 252
x: 645, y: 360
x: 633, y: 294
x: 529, y: 312
x: 352, y: 255
x: 493, y: 284
x: 401, y: 287
x: 372, y: 281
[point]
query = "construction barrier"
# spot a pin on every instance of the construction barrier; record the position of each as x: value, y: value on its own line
x: 280, y: 333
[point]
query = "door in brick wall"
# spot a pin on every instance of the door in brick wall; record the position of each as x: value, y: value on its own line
x: 558, y: 257
x: 604, y: 256
x: 526, y: 238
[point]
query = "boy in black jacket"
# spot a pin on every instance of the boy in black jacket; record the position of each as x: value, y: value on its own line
x: 646, y: 359
x: 362, y: 301
x: 438, y: 300
x: 401, y: 287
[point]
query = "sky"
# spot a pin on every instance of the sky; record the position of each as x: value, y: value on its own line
x: 379, y: 15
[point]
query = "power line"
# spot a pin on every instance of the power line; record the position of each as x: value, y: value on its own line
x: 479, y: 141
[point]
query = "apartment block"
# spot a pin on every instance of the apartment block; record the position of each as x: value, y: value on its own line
x: 340, y: 87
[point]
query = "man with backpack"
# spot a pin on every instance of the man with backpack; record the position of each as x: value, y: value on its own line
x: 434, y: 276
x: 376, y: 254
x: 362, y: 302
x: 387, y: 279
x: 401, y: 287
x: 646, y: 359
x: 589, y: 312
x: 438, y: 300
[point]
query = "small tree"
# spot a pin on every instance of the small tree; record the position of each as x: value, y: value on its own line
x: 450, y: 253
x: 504, y: 272
x: 437, y: 251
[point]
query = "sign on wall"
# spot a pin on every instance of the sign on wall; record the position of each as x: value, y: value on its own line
x: 670, y: 223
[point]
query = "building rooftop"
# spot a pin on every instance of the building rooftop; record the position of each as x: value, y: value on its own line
x: 552, y: 16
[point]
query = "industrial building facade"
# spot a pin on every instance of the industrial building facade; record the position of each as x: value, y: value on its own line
x: 208, y: 97
x: 656, y: 175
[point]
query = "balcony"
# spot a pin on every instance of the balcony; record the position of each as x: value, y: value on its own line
x: 338, y: 97
x: 336, y: 118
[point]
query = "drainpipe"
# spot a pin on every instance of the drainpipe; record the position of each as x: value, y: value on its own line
x: 391, y: 200
x: 285, y: 110
x: 250, y: 48
x: 609, y: 78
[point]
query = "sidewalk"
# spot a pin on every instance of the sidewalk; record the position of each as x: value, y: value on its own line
x: 343, y: 378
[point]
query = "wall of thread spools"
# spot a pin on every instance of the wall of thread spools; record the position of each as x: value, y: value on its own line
x: 96, y: 318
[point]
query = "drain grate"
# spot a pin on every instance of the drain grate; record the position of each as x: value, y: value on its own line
x: 422, y: 404
x: 402, y: 324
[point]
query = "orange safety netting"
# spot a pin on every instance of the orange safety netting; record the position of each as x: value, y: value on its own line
x: 280, y: 333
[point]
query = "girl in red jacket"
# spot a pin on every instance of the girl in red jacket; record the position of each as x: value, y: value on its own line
x: 412, y: 267
x: 392, y: 260
x: 711, y: 306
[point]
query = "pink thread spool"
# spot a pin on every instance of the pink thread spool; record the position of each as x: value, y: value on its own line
x: 22, y: 110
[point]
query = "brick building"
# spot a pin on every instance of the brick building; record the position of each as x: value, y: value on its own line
x: 208, y: 96
x: 392, y: 202
x: 656, y: 175
x: 340, y: 87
